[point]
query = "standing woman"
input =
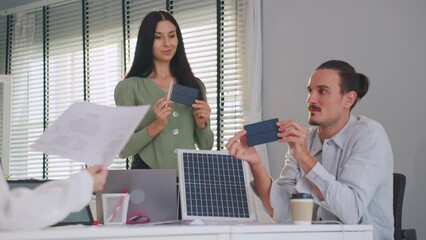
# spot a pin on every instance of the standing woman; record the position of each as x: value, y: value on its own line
x: 160, y: 59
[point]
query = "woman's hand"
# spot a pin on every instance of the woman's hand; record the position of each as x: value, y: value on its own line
x: 162, y: 109
x: 201, y: 113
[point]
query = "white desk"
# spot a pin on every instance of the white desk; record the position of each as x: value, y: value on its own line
x: 210, y: 232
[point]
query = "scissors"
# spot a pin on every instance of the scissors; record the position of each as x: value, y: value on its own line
x: 137, y: 219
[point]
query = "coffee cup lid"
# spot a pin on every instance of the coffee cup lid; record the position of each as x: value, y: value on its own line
x: 301, y: 196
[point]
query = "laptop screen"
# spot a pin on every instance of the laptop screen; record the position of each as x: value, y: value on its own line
x: 84, y: 216
x: 153, y: 193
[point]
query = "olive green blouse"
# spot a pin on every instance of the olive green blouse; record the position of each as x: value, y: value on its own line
x: 181, y: 132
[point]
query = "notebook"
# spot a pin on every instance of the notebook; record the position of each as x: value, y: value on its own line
x: 153, y: 193
x: 84, y: 216
x: 214, y: 188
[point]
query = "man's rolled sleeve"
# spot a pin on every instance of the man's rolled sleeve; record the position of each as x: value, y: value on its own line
x: 279, y: 201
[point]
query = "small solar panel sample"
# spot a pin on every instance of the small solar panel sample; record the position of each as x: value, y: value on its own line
x: 214, y: 185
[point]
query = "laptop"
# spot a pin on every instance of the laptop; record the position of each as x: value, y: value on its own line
x: 84, y: 216
x: 153, y: 194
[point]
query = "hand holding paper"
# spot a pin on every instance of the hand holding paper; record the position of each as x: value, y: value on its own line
x: 91, y: 133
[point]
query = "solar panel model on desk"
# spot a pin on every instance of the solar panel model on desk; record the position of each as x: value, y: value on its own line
x: 214, y: 187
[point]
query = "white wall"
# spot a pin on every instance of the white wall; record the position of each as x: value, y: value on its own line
x: 384, y: 39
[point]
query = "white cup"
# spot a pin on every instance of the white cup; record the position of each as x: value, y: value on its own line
x: 115, y: 206
x: 302, y: 205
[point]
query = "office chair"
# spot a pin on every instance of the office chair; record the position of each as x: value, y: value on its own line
x: 399, y: 181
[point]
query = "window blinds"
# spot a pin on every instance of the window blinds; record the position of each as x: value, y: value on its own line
x: 25, y: 57
x: 79, y: 50
x: 2, y: 71
x: 3, y: 47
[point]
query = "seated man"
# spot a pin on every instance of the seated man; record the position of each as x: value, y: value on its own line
x: 344, y: 161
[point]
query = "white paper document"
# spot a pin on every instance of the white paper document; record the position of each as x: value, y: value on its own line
x: 91, y: 133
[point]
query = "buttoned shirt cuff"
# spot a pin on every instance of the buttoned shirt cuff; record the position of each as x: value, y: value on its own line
x: 320, y: 177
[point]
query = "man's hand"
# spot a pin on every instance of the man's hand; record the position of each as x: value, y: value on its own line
x: 294, y: 134
x: 237, y: 147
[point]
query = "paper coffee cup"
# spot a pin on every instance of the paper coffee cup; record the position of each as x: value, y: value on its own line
x: 302, y: 205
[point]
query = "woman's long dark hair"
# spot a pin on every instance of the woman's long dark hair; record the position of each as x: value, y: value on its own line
x: 143, y: 63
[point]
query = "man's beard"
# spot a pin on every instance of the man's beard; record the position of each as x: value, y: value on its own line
x: 313, y: 122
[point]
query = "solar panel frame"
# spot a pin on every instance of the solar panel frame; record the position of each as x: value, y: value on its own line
x: 214, y: 186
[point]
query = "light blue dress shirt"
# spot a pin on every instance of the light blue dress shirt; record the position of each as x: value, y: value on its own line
x: 354, y: 174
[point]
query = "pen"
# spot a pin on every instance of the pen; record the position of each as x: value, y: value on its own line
x: 169, y: 94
